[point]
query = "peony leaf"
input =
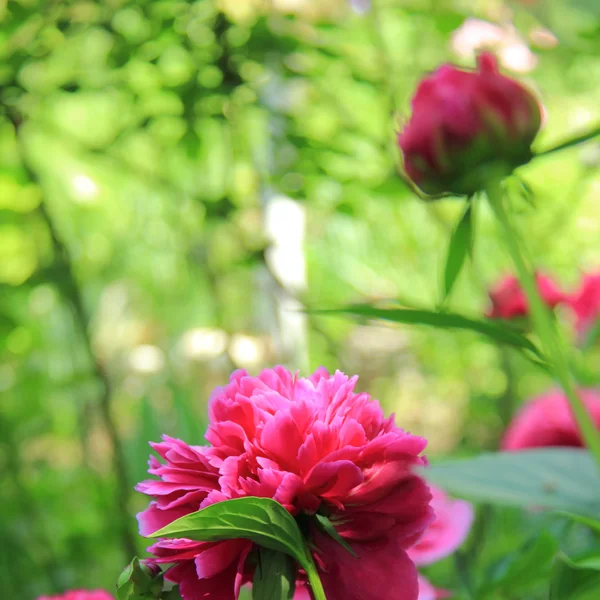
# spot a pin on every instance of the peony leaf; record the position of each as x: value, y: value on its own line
x: 460, y: 246
x: 274, y: 576
x: 524, y: 568
x: 587, y: 521
x: 572, y: 581
x: 576, y: 141
x: 560, y: 479
x: 587, y: 560
x: 327, y: 526
x: 261, y: 520
x: 138, y: 582
x: 494, y: 330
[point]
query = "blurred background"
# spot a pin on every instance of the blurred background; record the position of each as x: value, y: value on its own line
x: 178, y: 179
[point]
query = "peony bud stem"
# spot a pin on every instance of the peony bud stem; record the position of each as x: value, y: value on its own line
x: 542, y: 321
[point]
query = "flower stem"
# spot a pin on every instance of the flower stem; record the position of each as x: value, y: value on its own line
x: 543, y: 323
x: 314, y: 580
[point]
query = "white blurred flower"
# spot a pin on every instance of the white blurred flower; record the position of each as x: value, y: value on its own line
x: 475, y: 35
x: 203, y: 343
x: 85, y: 188
x: 246, y: 351
x: 146, y: 359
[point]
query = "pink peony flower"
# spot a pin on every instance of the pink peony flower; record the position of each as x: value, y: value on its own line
x: 311, y: 444
x: 80, y: 595
x: 547, y: 421
x: 463, y: 121
x: 453, y: 520
x: 509, y: 301
x: 585, y: 303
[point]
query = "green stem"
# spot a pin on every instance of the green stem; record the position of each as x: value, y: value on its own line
x: 315, y: 583
x: 543, y: 323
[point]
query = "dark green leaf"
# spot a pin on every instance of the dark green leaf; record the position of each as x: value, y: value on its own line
x: 569, y: 582
x: 562, y: 479
x: 327, y: 526
x: 138, y: 582
x: 260, y: 520
x: 274, y: 576
x: 458, y: 249
x: 498, y: 332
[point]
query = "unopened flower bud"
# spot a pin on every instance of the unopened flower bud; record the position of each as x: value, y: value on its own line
x: 466, y: 125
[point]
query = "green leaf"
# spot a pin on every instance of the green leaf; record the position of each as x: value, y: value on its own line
x: 496, y: 331
x: 528, y: 566
x: 274, y: 576
x: 587, y: 560
x: 261, y: 520
x: 138, y: 582
x: 561, y: 479
x: 588, y: 521
x: 460, y: 246
x: 592, y: 336
x: 581, y: 139
x: 571, y: 582
x: 327, y: 526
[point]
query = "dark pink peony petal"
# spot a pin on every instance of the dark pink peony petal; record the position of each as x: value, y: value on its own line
x: 383, y: 567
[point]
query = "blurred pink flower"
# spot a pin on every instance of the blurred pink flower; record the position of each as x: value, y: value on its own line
x: 311, y: 444
x: 428, y: 592
x: 462, y: 121
x: 509, y: 301
x: 360, y: 6
x: 585, y: 303
x: 80, y: 595
x: 547, y: 421
x: 453, y: 520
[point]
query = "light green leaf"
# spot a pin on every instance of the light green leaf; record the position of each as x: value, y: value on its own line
x: 592, y: 336
x: 261, y: 520
x: 274, y: 576
x: 588, y: 521
x: 498, y: 332
x: 561, y: 479
x: 569, y: 582
x: 327, y: 526
x: 460, y: 246
x: 588, y: 560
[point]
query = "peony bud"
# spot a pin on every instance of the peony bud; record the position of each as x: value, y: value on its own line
x: 465, y: 124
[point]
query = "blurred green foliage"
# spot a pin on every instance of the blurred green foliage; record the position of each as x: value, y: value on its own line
x: 145, y: 147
